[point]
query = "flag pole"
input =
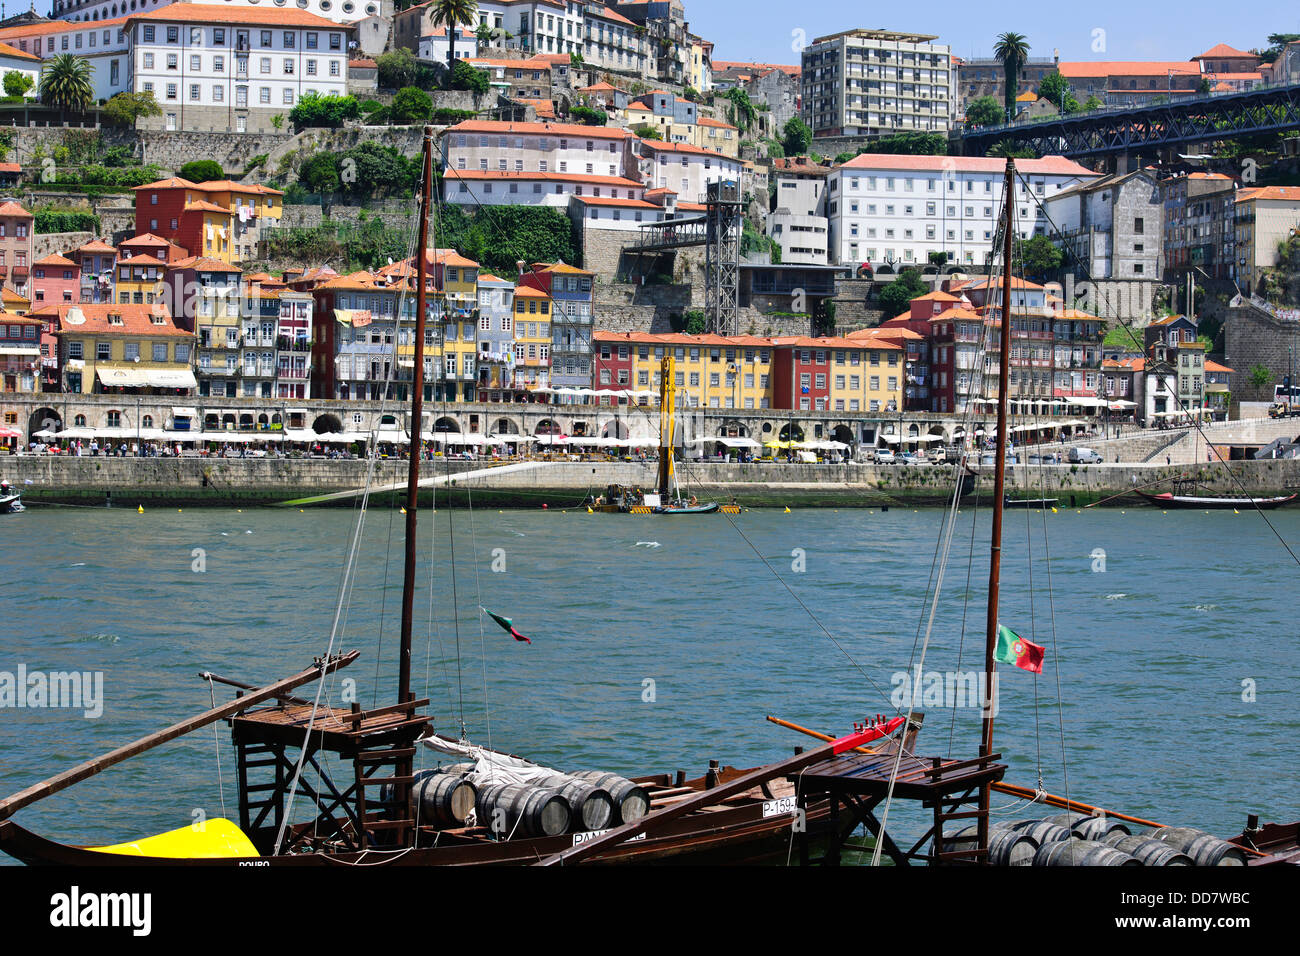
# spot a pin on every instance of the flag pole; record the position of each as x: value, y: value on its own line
x: 999, y: 487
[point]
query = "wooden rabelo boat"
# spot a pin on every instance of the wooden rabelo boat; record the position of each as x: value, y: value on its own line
x: 1212, y: 502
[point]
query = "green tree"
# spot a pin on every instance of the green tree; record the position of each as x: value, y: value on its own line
x: 648, y: 132
x: 410, y: 106
x: 743, y: 114
x: 939, y: 259
x: 1038, y: 256
x: 1056, y: 89
x: 984, y: 111
x: 453, y: 14
x: 906, y: 287
x: 913, y: 144
x: 694, y: 322
x: 483, y: 34
x: 466, y: 77
x: 1260, y: 376
x: 396, y: 69
x: 202, y: 171
x: 66, y: 82
x: 1012, y: 49
x: 1092, y: 103
x: 796, y: 137
x: 17, y: 84
x: 1004, y: 149
x: 125, y: 108
x: 320, y: 173
x: 329, y: 112
x: 588, y: 116
x: 1277, y: 43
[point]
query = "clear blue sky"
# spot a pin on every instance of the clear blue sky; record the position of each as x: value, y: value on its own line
x: 761, y: 30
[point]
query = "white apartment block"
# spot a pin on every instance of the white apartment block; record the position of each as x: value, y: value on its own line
x: 567, y: 148
x: 475, y: 187
x: 233, y: 68
x: 877, y: 82
x: 611, y: 41
x: 897, y: 209
x: 102, y: 44
x: 340, y: 11
x: 538, y: 26
x: 799, y: 223
x: 685, y: 169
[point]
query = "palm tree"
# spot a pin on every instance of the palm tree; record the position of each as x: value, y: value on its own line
x: 65, y: 82
x: 452, y: 14
x: 1013, y: 50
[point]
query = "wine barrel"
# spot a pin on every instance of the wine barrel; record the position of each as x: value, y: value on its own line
x: 442, y: 799
x: 631, y: 801
x: 525, y: 810
x: 1147, y: 851
x: 1006, y: 847
x: 1202, y: 847
x: 1040, y: 831
x: 1087, y: 827
x: 593, y: 808
x: 1081, y: 853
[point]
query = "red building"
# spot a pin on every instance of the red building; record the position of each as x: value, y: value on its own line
x: 55, y: 281
x: 15, y: 247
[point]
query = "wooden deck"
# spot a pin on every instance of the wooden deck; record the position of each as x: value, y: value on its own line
x: 919, y: 778
x: 336, y: 729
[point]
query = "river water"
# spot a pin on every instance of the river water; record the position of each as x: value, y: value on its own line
x: 660, y: 643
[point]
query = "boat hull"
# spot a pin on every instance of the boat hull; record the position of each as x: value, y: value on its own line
x: 733, y: 835
x: 11, y: 504
x: 1208, y: 503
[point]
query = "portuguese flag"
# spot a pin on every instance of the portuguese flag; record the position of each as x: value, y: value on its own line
x: 1014, y: 649
x: 508, y: 626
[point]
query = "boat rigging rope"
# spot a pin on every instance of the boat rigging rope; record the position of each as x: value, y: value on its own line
x: 216, y: 737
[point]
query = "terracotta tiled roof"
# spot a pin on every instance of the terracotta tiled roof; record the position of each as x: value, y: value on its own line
x: 1099, y: 69
x: 141, y: 261
x: 720, y: 66
x: 95, y: 245
x: 210, y: 13
x: 136, y: 320
x: 659, y: 146
x: 175, y: 182
x: 1212, y: 366
x: 54, y: 259
x: 1221, y: 51
x: 1048, y: 165
x: 502, y: 128
x: 204, y: 206
x: 612, y: 201
x: 1276, y: 193
x: 12, y: 208
x: 203, y: 264
x: 17, y: 54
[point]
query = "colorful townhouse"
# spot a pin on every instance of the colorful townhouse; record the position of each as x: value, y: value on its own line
x: 15, y: 246
x: 532, y: 338
x: 496, y: 338
x: 95, y: 264
x: 355, y: 321
x: 219, y: 219
x: 122, y: 349
x: 204, y: 296
x: 56, y: 280
x: 20, y: 355
x: 570, y: 291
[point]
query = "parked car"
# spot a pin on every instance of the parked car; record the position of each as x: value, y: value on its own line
x: 886, y: 457
x: 1084, y: 456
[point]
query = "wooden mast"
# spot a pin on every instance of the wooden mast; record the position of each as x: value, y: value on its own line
x: 667, y: 417
x: 417, y: 443
x: 999, y: 482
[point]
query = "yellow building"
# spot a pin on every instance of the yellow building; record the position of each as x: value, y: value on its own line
x: 139, y: 280
x: 532, y: 338
x: 122, y: 349
x: 716, y: 135
x: 714, y: 371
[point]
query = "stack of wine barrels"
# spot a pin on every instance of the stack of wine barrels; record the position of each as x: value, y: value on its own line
x: 1147, y: 851
x: 511, y: 809
x: 1082, y: 853
x: 440, y: 799
x: 593, y: 806
x: 1087, y: 827
x: 631, y: 801
x: 1007, y: 847
x: 1040, y: 831
x: 1201, y: 847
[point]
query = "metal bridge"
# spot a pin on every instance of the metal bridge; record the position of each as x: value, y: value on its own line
x: 1148, y: 129
x: 719, y: 231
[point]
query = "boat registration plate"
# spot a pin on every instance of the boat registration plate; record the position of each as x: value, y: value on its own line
x: 780, y: 807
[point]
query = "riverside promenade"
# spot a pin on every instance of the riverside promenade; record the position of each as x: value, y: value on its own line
x: 239, y: 482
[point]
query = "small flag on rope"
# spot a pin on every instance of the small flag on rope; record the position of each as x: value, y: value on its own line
x: 1014, y: 649
x: 506, y: 625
